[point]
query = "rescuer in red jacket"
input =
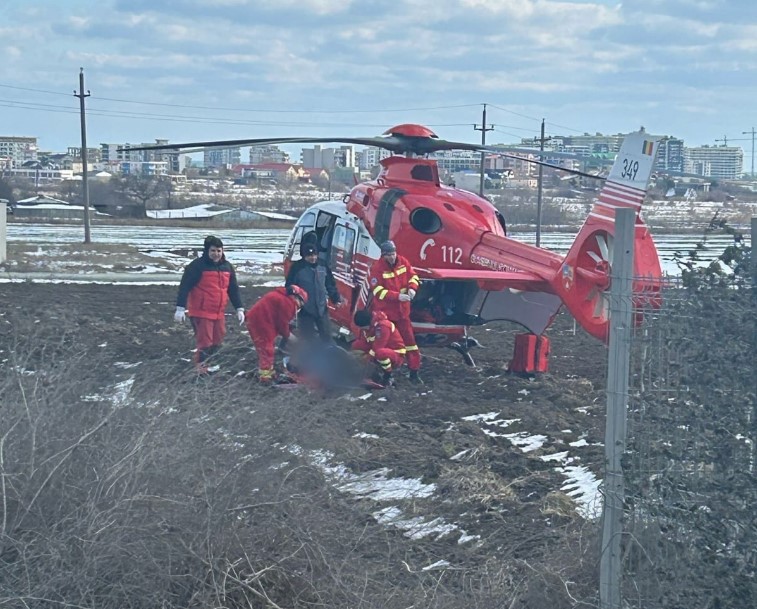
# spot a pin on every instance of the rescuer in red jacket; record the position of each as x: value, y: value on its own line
x: 207, y: 285
x: 268, y: 318
x: 380, y: 341
x: 394, y: 285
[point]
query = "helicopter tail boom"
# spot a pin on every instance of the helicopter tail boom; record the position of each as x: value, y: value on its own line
x: 583, y: 279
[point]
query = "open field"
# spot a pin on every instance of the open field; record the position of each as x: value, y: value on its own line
x: 477, y: 479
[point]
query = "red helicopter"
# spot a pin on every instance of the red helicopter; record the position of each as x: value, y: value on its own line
x: 471, y: 271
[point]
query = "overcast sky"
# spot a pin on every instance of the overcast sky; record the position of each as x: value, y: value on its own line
x: 221, y: 69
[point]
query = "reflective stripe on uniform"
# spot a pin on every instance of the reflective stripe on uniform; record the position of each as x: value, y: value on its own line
x: 385, y: 363
x: 411, y: 347
x: 400, y: 270
x: 380, y: 292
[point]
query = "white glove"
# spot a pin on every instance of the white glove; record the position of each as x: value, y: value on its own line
x: 292, y: 340
x: 240, y: 316
x: 180, y: 315
x: 411, y: 293
x: 405, y: 298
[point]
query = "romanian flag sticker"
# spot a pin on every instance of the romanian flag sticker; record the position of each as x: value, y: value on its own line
x: 647, y: 147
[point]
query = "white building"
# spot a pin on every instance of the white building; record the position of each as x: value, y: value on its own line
x: 457, y: 160
x: 369, y: 158
x: 220, y: 157
x: 267, y: 154
x: 328, y: 158
x: 120, y: 158
x: 17, y: 150
x: 723, y: 162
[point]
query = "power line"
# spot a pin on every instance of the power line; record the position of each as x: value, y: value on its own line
x: 195, y: 119
x: 534, y: 118
x: 231, y: 109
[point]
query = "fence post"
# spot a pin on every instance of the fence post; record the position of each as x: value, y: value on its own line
x: 618, y: 364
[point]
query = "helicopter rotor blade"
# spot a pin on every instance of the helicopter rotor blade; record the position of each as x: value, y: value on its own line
x: 391, y: 143
x: 398, y: 143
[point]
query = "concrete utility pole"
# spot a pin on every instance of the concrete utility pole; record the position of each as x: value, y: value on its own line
x: 752, y: 134
x: 85, y: 170
x: 483, y: 129
x: 618, y: 367
x: 539, y: 191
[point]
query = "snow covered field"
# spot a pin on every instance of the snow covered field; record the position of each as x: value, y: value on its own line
x: 259, y: 251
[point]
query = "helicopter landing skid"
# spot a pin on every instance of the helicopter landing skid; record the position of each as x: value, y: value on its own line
x: 463, y: 349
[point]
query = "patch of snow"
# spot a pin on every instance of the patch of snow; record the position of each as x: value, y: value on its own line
x: 415, y: 527
x: 126, y: 365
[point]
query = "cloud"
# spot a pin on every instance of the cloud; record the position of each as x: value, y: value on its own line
x: 589, y: 66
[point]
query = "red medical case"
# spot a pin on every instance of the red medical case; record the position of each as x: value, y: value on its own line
x: 531, y: 354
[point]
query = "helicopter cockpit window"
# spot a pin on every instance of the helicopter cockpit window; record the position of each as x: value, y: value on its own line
x: 425, y: 220
x: 304, y: 226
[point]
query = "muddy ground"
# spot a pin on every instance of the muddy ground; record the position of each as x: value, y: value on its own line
x: 513, y: 523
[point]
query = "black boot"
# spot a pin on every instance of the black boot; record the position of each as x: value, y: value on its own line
x: 414, y: 378
x: 387, y: 380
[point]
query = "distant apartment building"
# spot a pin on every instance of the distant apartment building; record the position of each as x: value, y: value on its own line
x: 120, y: 159
x: 93, y: 154
x: 17, y: 150
x: 369, y: 158
x: 457, y: 160
x: 221, y: 157
x: 582, y: 145
x: 267, y: 154
x: 328, y: 158
x: 42, y: 175
x: 722, y: 162
x: 670, y: 155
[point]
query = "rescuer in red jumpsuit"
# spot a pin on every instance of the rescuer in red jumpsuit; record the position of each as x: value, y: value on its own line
x: 207, y: 285
x: 268, y: 318
x: 394, y: 285
x: 380, y: 341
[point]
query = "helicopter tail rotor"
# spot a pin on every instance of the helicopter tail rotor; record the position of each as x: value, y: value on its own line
x: 584, y: 278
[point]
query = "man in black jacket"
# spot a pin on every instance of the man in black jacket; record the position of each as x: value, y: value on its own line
x: 317, y: 280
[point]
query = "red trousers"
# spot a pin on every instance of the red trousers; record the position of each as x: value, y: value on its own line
x: 387, y: 358
x: 405, y: 328
x: 209, y: 334
x: 265, y: 345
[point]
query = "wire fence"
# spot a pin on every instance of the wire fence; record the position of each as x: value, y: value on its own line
x: 690, y: 526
